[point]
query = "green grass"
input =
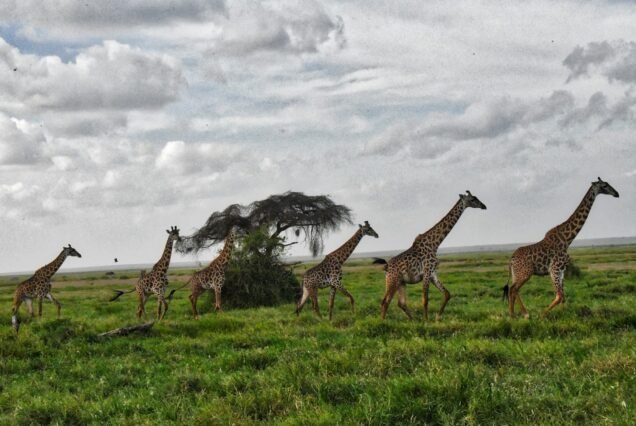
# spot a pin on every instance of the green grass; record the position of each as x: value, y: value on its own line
x: 268, y: 366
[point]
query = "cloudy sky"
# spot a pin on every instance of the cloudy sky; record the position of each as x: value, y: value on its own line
x: 119, y: 121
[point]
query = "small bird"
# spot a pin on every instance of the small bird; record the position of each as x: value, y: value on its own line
x: 116, y: 260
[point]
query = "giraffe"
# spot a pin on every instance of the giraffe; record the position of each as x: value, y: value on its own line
x: 213, y: 276
x: 419, y: 262
x: 155, y: 281
x: 550, y: 255
x: 39, y: 286
x: 328, y: 273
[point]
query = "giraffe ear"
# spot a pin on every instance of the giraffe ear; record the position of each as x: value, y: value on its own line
x: 359, y: 226
x: 599, y: 179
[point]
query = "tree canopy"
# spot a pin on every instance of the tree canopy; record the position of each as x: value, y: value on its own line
x: 311, y: 217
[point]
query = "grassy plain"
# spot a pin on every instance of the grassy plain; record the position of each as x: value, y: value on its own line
x: 266, y: 365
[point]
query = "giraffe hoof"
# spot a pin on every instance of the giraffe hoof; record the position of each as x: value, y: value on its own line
x: 526, y: 316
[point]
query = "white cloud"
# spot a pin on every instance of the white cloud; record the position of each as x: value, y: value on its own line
x: 20, y: 142
x: 616, y: 60
x: 196, y: 158
x: 488, y: 119
x: 290, y: 26
x: 106, y: 76
x: 90, y: 17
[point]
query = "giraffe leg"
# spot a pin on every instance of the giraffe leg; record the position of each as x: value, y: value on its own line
x: 445, y: 292
x: 40, y: 307
x: 165, y: 306
x: 346, y: 293
x: 29, y: 303
x: 392, y: 286
x: 425, y: 289
x: 141, y: 308
x: 332, y: 298
x: 15, y: 320
x: 197, y: 290
x: 55, y: 302
x: 314, y: 301
x: 217, y: 299
x: 303, y: 300
x: 161, y: 302
x: 522, y: 307
x: 519, y: 278
x: 401, y: 291
x: 557, y: 271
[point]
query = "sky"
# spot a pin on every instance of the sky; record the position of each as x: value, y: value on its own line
x: 120, y: 120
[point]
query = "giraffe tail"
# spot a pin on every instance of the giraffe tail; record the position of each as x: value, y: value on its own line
x: 380, y: 261
x: 506, y: 289
x: 174, y: 290
x: 119, y: 294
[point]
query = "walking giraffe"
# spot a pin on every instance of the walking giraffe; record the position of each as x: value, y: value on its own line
x: 419, y: 262
x: 155, y: 281
x: 328, y: 273
x: 550, y: 255
x: 39, y: 286
x: 213, y: 276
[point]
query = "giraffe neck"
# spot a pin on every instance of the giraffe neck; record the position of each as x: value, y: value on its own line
x: 226, y: 253
x: 572, y: 226
x: 343, y: 252
x: 48, y: 270
x: 164, y: 261
x: 434, y: 236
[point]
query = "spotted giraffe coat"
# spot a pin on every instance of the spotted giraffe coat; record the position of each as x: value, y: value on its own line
x: 156, y: 281
x: 328, y: 273
x: 419, y: 262
x: 549, y: 256
x: 39, y: 286
x: 213, y: 276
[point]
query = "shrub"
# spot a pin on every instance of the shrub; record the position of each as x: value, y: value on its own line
x: 256, y: 276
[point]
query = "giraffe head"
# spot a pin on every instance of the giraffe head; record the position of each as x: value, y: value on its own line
x: 470, y: 200
x: 602, y: 187
x: 367, y: 230
x: 174, y: 234
x: 70, y: 251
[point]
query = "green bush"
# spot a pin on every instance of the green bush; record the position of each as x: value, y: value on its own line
x: 256, y: 276
x: 573, y: 271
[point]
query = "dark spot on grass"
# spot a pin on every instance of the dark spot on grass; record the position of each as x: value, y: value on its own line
x: 584, y: 312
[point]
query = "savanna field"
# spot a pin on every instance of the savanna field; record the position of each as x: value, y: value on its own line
x: 256, y: 366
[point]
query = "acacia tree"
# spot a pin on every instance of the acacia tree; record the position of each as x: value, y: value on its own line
x: 256, y: 276
x: 310, y: 217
